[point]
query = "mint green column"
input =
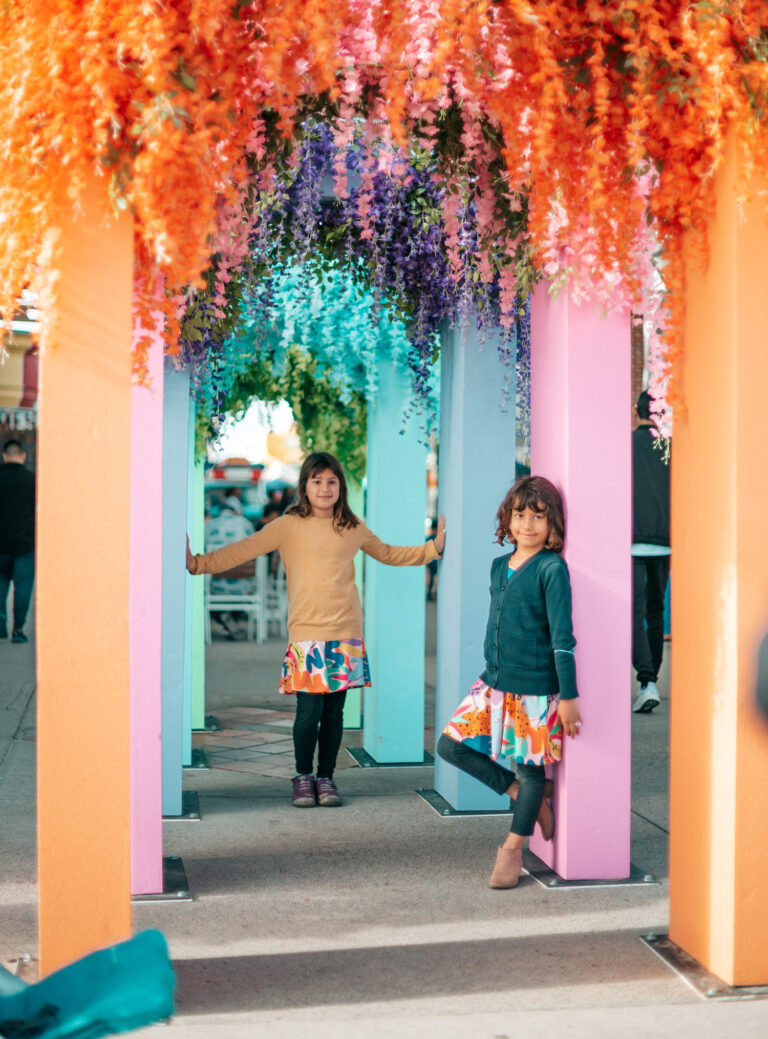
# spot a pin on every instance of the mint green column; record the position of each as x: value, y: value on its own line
x: 393, y: 726
x: 197, y: 634
x: 353, y: 705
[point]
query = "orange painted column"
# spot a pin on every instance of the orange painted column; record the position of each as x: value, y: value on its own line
x: 719, y: 745
x: 83, y: 553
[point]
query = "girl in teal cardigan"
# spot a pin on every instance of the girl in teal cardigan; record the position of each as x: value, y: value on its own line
x: 526, y: 697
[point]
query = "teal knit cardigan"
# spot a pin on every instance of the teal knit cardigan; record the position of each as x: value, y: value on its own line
x: 529, y: 639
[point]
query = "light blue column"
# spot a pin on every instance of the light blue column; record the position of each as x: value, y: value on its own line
x: 353, y: 707
x: 189, y: 596
x: 197, y: 540
x: 476, y: 467
x: 393, y: 725
x: 175, y: 472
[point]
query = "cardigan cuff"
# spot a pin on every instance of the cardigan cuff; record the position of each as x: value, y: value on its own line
x: 565, y: 665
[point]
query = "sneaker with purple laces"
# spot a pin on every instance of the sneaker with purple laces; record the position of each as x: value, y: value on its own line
x: 327, y: 794
x: 303, y: 792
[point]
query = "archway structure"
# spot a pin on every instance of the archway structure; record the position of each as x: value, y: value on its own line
x: 558, y: 132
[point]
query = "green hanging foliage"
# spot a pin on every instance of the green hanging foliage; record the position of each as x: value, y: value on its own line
x: 324, y: 422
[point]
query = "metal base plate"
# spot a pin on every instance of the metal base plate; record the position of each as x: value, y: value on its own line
x: 190, y: 808
x: 175, y: 886
x: 364, y: 759
x: 547, y: 877
x: 26, y: 968
x: 199, y: 759
x: 443, y: 808
x: 210, y: 724
x: 703, y: 983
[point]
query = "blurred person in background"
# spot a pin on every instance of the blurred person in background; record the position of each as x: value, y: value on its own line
x: 650, y: 553
x: 17, y: 538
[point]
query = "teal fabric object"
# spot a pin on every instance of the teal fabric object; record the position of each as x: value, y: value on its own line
x: 10, y: 984
x: 113, y: 990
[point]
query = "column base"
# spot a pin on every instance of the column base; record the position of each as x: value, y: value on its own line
x: 211, y: 724
x: 364, y: 759
x: 190, y: 808
x: 175, y: 886
x: 199, y: 760
x: 696, y: 976
x: 544, y: 875
x: 444, y: 808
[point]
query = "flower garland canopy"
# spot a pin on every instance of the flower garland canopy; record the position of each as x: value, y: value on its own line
x: 600, y: 114
x: 387, y: 232
x: 334, y: 319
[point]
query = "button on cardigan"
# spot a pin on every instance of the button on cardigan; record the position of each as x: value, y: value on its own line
x: 323, y: 602
x: 529, y: 640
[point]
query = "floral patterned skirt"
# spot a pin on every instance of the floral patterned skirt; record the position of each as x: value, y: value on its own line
x: 325, y: 667
x: 525, y: 729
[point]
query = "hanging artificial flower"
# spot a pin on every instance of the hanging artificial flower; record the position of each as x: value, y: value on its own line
x: 388, y: 233
x: 564, y: 111
x: 335, y: 319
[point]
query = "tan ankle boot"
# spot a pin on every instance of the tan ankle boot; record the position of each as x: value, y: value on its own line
x: 507, y: 869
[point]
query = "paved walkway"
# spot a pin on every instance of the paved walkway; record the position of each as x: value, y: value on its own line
x: 373, y: 919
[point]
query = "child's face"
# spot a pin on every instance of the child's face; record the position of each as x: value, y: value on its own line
x: 529, y: 528
x: 322, y: 493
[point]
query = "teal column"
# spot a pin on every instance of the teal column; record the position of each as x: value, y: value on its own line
x: 189, y: 597
x: 353, y: 704
x: 393, y: 726
x: 477, y: 468
x: 175, y: 511
x: 197, y: 633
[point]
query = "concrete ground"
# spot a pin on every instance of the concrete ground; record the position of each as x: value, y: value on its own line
x: 375, y: 918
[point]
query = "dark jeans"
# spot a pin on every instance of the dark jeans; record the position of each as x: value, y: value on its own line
x: 319, y: 723
x: 480, y: 766
x: 21, y: 570
x: 649, y: 584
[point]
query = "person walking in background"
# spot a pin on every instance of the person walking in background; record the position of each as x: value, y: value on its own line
x: 432, y: 566
x: 17, y: 538
x: 318, y: 538
x: 525, y: 698
x: 650, y: 554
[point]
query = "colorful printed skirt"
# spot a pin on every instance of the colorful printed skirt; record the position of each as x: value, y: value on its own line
x: 525, y: 729
x: 325, y: 667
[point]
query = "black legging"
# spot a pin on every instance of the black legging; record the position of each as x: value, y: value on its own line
x: 319, y: 723
x: 480, y: 766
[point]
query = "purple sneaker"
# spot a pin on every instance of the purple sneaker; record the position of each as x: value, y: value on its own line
x: 327, y: 794
x: 303, y: 792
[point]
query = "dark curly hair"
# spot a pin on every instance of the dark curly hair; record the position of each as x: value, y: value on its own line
x: 538, y: 494
x: 315, y: 463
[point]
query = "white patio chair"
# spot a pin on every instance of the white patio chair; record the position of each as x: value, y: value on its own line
x: 276, y: 600
x: 250, y: 603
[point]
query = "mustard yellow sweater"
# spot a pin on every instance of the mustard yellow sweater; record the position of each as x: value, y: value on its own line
x: 323, y: 602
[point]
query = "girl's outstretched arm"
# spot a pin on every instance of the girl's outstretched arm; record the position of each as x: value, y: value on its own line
x: 401, y: 555
x: 230, y: 556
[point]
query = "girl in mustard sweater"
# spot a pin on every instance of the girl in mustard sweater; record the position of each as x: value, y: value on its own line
x: 318, y: 539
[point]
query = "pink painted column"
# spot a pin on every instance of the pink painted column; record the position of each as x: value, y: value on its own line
x: 580, y: 439
x: 146, y: 626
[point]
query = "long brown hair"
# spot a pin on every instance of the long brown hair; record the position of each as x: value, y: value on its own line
x: 538, y: 494
x: 315, y: 463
